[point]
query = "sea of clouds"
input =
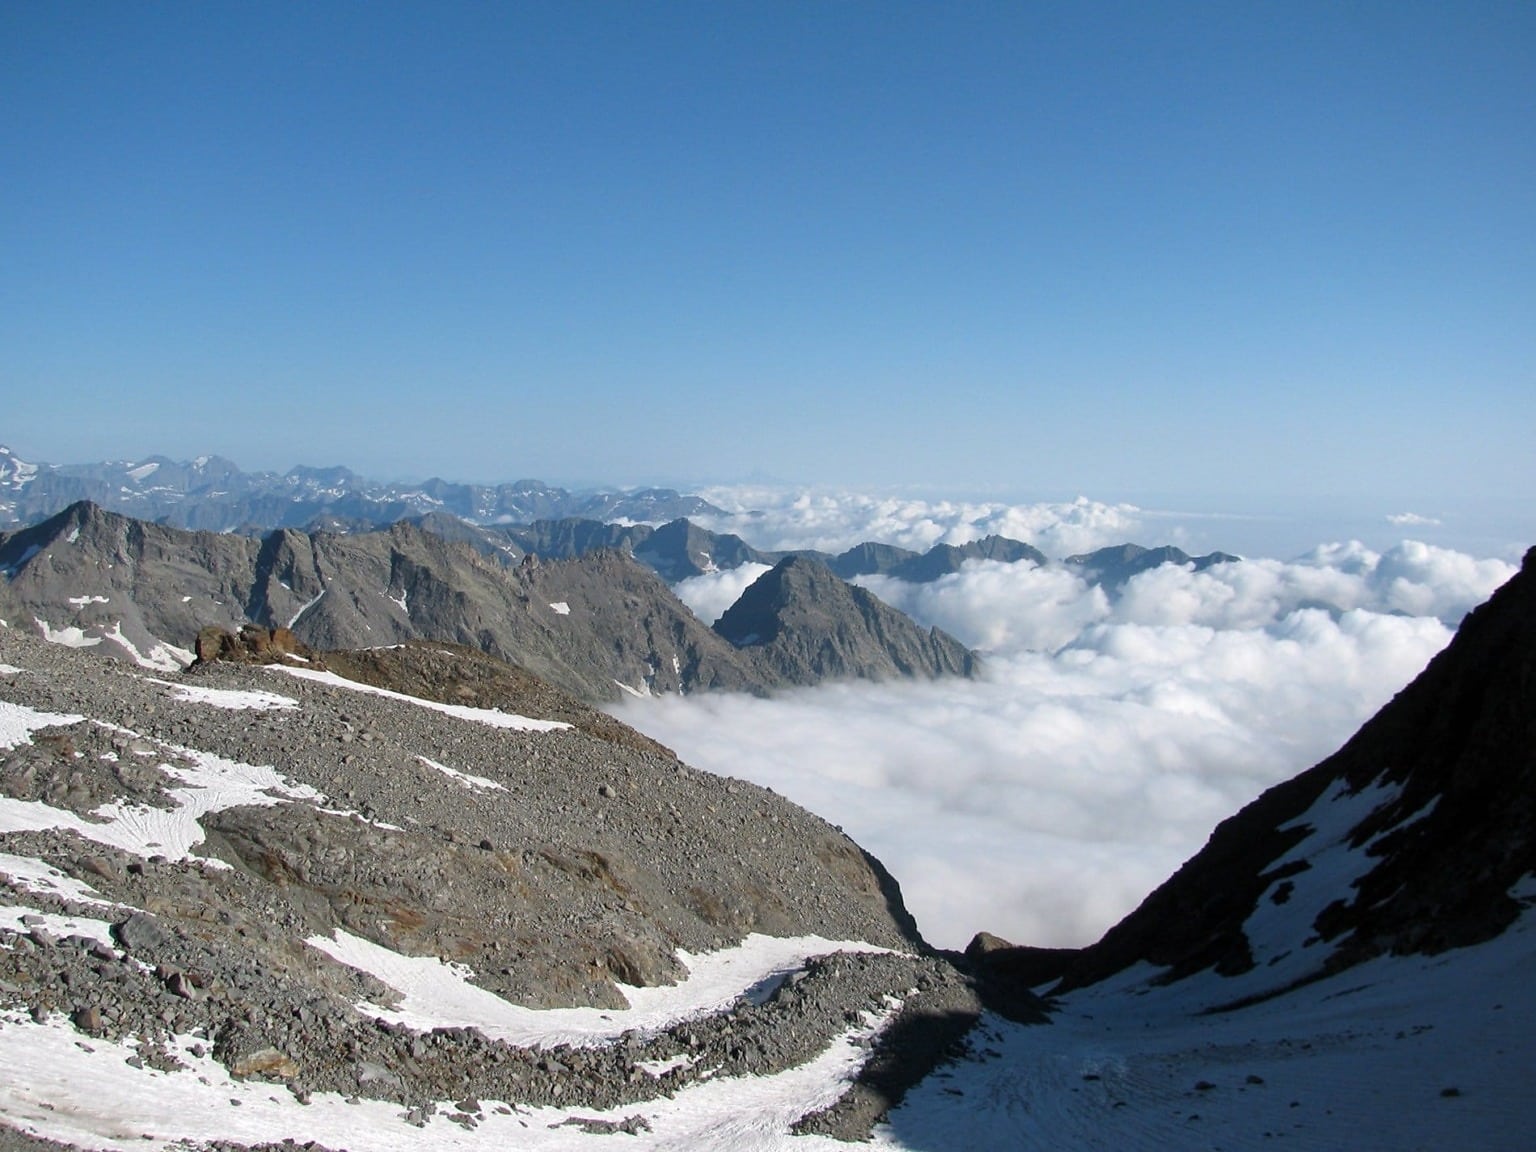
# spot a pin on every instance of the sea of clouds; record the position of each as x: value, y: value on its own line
x: 1108, y: 734
x: 775, y: 519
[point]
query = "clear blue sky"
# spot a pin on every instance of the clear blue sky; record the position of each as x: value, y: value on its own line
x: 1205, y: 254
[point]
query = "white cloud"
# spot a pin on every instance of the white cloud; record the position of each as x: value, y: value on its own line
x: 1105, y: 740
x: 997, y: 607
x: 709, y: 594
x: 1412, y: 578
x: 1412, y: 520
x: 834, y: 521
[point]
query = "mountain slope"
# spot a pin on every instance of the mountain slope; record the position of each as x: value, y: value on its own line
x: 1346, y: 964
x: 90, y: 577
x: 267, y: 900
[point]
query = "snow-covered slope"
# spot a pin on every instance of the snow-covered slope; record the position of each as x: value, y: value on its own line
x: 1408, y: 1052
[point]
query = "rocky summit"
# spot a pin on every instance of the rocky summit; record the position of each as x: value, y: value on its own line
x: 805, y: 623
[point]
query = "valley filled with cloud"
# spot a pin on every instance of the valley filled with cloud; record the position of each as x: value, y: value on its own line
x: 1110, y: 730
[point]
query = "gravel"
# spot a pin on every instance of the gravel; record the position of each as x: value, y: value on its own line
x: 593, y: 861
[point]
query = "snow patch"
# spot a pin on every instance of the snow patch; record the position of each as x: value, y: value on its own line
x: 230, y: 698
x: 561, y: 608
x: 82, y: 601
x: 27, y: 874
x: 474, y: 783
x: 1279, y: 933
x: 161, y: 658
x: 294, y: 619
x: 18, y: 722
x: 70, y: 636
x: 438, y: 994
x: 209, y: 783
x: 22, y: 920
x: 55, y: 1086
x: 659, y: 1068
x: 493, y: 717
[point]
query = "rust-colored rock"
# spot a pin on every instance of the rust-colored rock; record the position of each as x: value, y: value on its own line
x: 254, y: 645
x: 265, y: 1062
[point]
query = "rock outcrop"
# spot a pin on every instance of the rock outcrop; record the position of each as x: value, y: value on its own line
x: 1113, y: 567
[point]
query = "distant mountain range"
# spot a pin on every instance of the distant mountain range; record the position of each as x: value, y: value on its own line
x: 573, y: 587
x: 506, y: 522
x: 213, y: 494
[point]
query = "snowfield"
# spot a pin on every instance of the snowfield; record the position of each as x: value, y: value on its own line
x: 1401, y: 1053
x: 437, y: 994
x: 54, y: 1084
x: 492, y: 717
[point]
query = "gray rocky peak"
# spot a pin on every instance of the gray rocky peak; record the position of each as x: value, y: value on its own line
x: 807, y: 624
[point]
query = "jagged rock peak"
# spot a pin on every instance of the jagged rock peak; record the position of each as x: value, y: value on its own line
x: 805, y: 624
x: 758, y: 614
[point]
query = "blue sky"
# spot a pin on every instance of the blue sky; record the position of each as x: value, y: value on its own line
x: 1199, y: 255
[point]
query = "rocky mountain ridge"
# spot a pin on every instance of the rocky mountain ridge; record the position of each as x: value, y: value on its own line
x: 1113, y: 567
x: 800, y: 616
x: 680, y: 549
x: 596, y: 625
